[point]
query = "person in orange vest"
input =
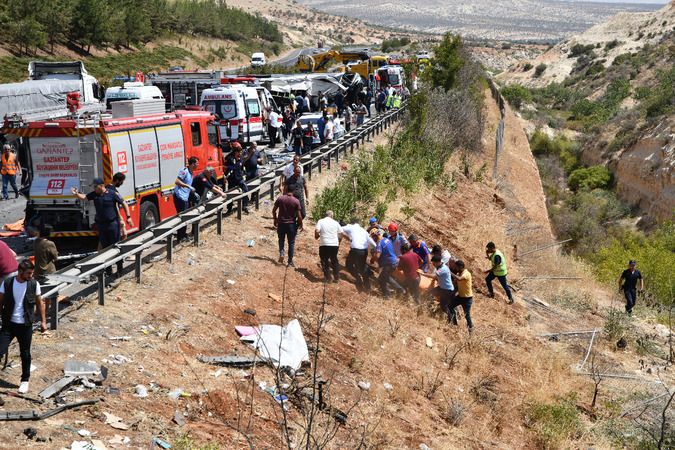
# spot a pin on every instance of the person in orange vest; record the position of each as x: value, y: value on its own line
x: 10, y: 167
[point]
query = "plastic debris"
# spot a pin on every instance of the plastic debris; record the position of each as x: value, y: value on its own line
x: 115, y: 421
x: 364, y: 385
x: 161, y: 443
x: 141, y: 391
x: 429, y: 342
x: 179, y: 418
x: 388, y: 387
x: 231, y: 282
x: 250, y: 243
x: 74, y: 368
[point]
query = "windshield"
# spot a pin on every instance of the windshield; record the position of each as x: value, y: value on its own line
x: 223, y: 109
x: 394, y: 79
x: 253, y: 107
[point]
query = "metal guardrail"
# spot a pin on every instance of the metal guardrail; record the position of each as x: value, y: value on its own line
x: 162, y: 233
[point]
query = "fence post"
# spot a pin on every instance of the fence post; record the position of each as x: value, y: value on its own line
x: 240, y: 205
x: 256, y: 194
x: 195, y: 232
x: 137, y: 268
x: 272, y: 190
x: 101, y: 287
x: 329, y: 158
x: 219, y: 222
x: 169, y: 248
x: 54, y: 312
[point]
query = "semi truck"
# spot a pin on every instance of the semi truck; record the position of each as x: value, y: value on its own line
x: 148, y: 149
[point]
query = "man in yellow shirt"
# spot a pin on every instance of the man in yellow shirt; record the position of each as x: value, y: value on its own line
x: 464, y: 297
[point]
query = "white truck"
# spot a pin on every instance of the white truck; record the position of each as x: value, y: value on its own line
x: 258, y: 60
x: 131, y: 90
x: 43, y: 95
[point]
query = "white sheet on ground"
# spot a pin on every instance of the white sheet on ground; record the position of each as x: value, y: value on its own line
x: 283, y: 346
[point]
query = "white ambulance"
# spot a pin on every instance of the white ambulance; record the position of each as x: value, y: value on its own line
x: 239, y: 111
x: 131, y: 90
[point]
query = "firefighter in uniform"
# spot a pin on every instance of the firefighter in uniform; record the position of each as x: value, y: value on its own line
x: 10, y: 167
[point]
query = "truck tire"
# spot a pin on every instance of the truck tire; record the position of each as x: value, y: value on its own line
x: 149, y: 215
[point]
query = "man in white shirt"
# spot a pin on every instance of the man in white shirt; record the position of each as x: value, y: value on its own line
x: 273, y: 126
x: 289, y: 170
x: 360, y: 241
x: 328, y: 231
x: 20, y: 296
x: 328, y: 132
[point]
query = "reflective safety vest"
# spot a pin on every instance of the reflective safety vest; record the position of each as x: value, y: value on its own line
x: 9, y: 166
x: 390, y: 101
x: 499, y: 270
x: 397, y: 102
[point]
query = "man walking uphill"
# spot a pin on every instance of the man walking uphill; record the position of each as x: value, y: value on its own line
x: 328, y: 231
x: 628, y: 283
x: 19, y: 297
x: 287, y: 223
x: 498, y: 270
x: 359, y: 243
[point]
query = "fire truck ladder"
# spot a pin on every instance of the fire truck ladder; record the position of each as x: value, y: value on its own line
x: 88, y: 169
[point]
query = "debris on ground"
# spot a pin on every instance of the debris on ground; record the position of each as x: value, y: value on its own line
x: 429, y: 342
x: 160, y: 443
x: 282, y: 346
x: 117, y: 360
x: 179, y: 418
x: 36, y: 415
x: 242, y: 362
x: 141, y: 391
x: 364, y: 385
x: 115, y: 422
x: 73, y: 368
x: 30, y: 432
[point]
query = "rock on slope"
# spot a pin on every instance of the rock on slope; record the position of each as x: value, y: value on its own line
x: 625, y: 33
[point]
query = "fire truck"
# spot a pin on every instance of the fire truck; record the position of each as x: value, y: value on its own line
x: 148, y: 149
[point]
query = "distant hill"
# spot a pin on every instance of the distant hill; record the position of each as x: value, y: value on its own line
x: 506, y: 19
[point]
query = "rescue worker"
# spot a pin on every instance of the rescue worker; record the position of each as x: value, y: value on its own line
x: 184, y: 191
x: 360, y: 112
x: 235, y: 174
x: 498, y: 270
x: 252, y: 160
x: 206, y: 181
x: 45, y: 252
x: 106, y: 201
x: 628, y: 284
x: 464, y: 297
x: 421, y: 249
x: 117, y: 182
x: 272, y: 126
x: 359, y: 243
x: 329, y: 232
x: 9, y: 169
x: 20, y: 296
x: 396, y: 100
x: 408, y: 263
x: 390, y: 100
x: 388, y: 261
x: 297, y: 184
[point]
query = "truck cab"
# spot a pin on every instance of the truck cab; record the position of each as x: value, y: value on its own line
x: 131, y: 90
x: 258, y: 60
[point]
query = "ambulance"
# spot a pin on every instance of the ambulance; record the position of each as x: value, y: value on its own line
x: 239, y: 111
x: 148, y: 149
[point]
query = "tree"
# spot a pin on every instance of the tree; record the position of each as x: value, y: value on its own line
x: 53, y: 18
x: 27, y: 33
x: 446, y: 63
x: 594, y: 177
x: 90, y: 23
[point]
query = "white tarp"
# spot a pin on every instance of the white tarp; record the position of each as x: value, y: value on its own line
x: 282, y: 346
x: 33, y: 95
x: 312, y: 83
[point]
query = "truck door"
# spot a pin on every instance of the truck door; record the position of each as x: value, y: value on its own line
x: 120, y: 152
x: 199, y: 143
x: 171, y: 155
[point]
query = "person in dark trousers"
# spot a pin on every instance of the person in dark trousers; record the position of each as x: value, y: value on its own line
x: 184, y: 192
x: 444, y: 290
x: 9, y: 167
x: 272, y: 126
x: 297, y: 138
x: 252, y: 160
x: 297, y: 184
x: 628, y: 282
x: 107, y: 203
x: 205, y: 182
x: 409, y: 262
x: 288, y: 222
x: 498, y: 270
x: 388, y: 261
x: 464, y: 297
x: 359, y: 243
x: 235, y: 174
x: 321, y: 127
x: 329, y: 232
x: 20, y: 297
x: 117, y: 182
x: 45, y: 252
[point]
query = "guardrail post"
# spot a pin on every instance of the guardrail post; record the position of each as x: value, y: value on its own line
x: 329, y: 158
x: 219, y: 223
x: 337, y: 154
x: 54, y: 312
x: 101, y: 287
x: 169, y: 248
x: 272, y: 190
x: 351, y: 147
x: 309, y: 171
x: 195, y: 233
x: 256, y: 194
x: 240, y: 205
x: 119, y: 268
x: 320, y: 164
x: 137, y: 267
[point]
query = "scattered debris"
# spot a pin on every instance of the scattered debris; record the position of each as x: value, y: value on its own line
x: 424, y: 446
x: 388, y: 387
x: 622, y: 343
x: 160, y: 443
x: 35, y: 415
x: 141, y: 391
x: 250, y: 243
x: 84, y: 433
x: 276, y: 393
x: 242, y: 362
x: 98, y: 445
x: 364, y: 385
x: 115, y: 422
x: 282, y: 346
x: 119, y: 440
x: 274, y: 297
x: 178, y: 392
x: 250, y: 311
x: 120, y: 338
x: 74, y: 368
x: 22, y: 396
x: 243, y: 330
x: 231, y: 282
x: 112, y: 390
x: 429, y: 342
x: 30, y: 432
x: 179, y: 418
x: 81, y: 445
x: 117, y: 360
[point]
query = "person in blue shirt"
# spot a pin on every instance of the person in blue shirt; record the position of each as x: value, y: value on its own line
x: 235, y: 174
x: 321, y: 126
x: 388, y: 261
x: 183, y: 191
x: 444, y: 290
x: 422, y: 250
x: 396, y: 238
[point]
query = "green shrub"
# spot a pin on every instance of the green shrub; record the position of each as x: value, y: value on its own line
x: 516, y: 95
x: 527, y: 67
x: 580, y: 49
x: 561, y: 146
x: 554, y: 424
x: 660, y: 100
x: 616, y: 325
x: 589, y: 178
x: 539, y: 70
x: 610, y: 45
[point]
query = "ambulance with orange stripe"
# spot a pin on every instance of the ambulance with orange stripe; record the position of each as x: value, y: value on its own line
x: 148, y: 149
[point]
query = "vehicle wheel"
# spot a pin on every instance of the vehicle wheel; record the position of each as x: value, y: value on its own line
x: 149, y: 215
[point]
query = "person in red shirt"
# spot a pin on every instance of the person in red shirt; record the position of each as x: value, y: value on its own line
x: 288, y: 222
x: 409, y: 262
x: 8, y: 264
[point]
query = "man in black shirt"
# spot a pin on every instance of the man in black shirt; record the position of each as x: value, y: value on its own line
x: 628, y: 283
x: 206, y: 181
x: 235, y: 173
x: 297, y: 184
x: 107, y: 218
x: 251, y: 161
